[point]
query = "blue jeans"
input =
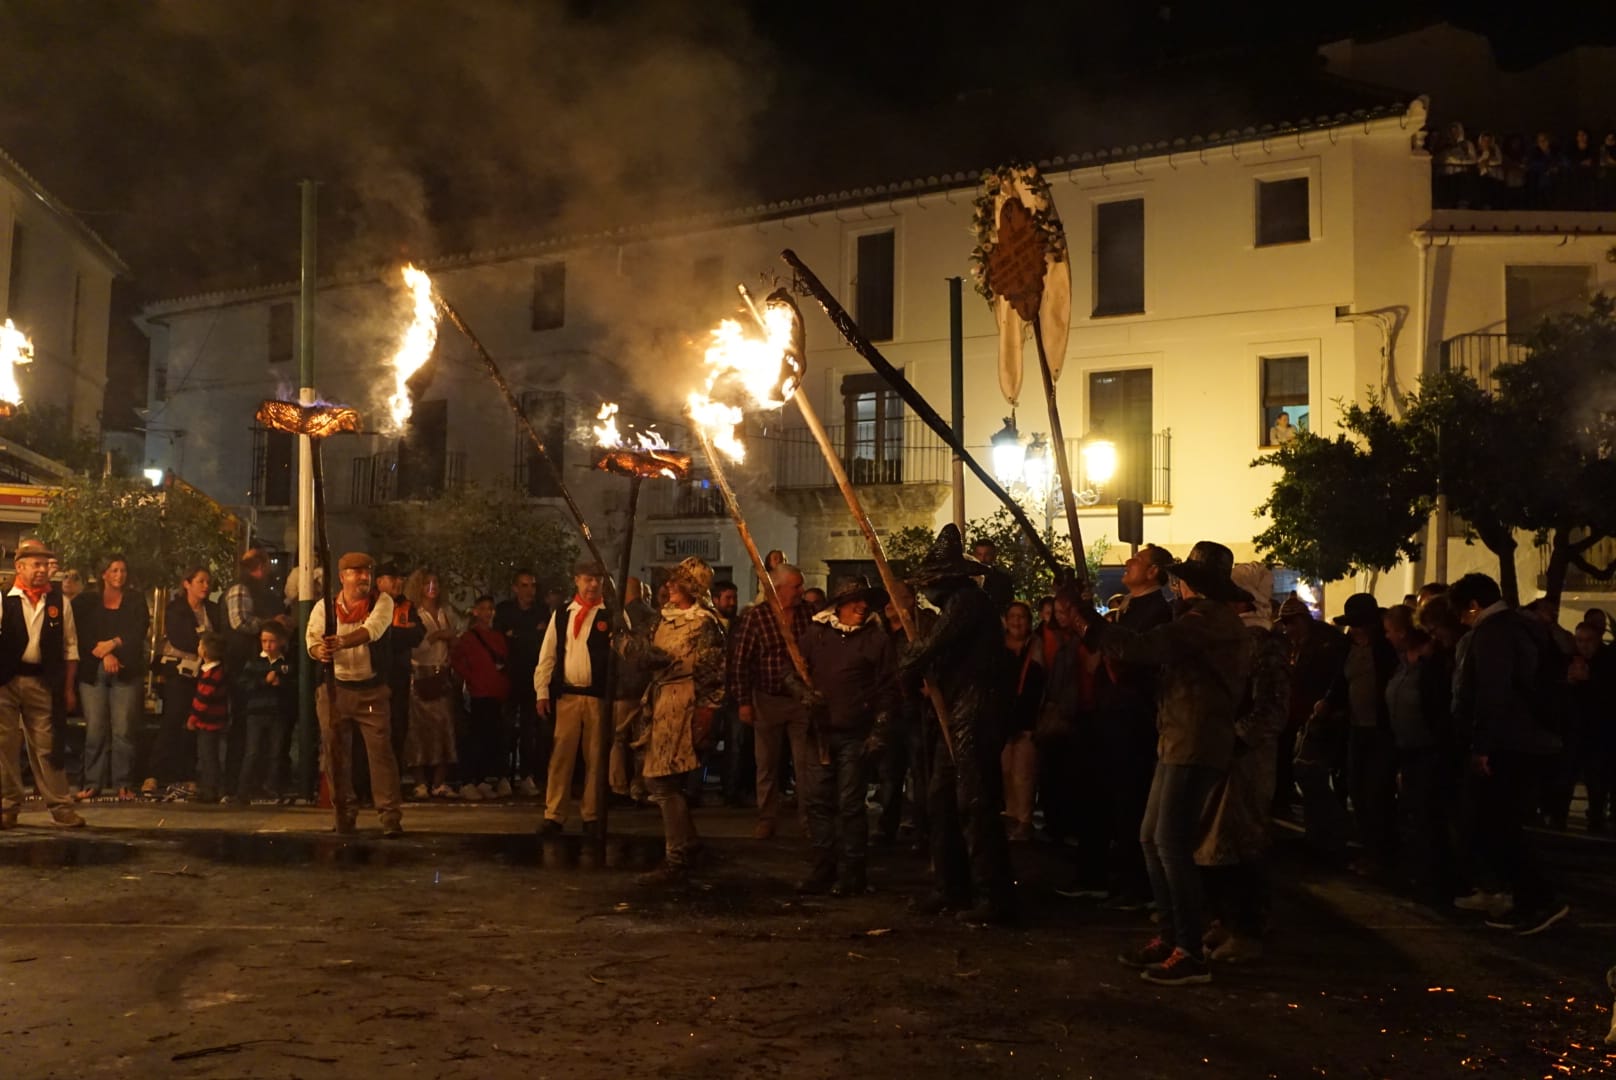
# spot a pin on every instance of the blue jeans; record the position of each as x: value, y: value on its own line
x: 835, y: 796
x: 1168, y: 835
x: 110, y: 708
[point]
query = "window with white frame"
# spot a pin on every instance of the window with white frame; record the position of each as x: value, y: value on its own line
x: 1284, y: 211
x: 1285, y: 409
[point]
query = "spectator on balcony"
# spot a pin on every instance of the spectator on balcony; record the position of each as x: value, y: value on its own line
x: 1282, y: 433
x: 1545, y: 173
x: 1607, y: 172
x: 1582, y: 171
x: 1456, y: 169
x: 1490, y: 189
x: 1515, y: 195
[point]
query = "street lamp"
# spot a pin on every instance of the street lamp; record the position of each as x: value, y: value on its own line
x: 1035, y: 471
x: 1099, y: 461
x: 1008, y: 453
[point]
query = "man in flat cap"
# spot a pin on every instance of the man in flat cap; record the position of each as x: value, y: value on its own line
x: 39, y: 658
x: 360, y: 663
x: 570, y: 684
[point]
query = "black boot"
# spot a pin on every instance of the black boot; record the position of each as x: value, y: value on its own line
x: 823, y: 876
x: 852, y: 881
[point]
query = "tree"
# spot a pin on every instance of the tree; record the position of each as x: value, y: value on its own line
x: 1345, y: 505
x: 477, y: 538
x: 1033, y: 578
x: 161, y: 532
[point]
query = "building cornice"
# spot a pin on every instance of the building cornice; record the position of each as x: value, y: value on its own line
x: 12, y: 169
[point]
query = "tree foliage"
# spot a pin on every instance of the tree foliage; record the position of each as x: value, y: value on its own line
x: 1346, y: 504
x: 476, y: 538
x: 162, y: 532
x: 1033, y: 578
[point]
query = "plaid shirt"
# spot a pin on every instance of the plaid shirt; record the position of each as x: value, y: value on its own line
x: 758, y: 660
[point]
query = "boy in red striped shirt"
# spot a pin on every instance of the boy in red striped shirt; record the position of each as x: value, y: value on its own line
x: 210, y: 715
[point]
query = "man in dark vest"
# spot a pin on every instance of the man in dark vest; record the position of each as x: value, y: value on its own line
x: 570, y: 683
x: 39, y: 659
x: 522, y: 619
x: 358, y: 653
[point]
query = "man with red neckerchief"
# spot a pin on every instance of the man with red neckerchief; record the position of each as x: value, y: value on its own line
x: 358, y: 654
x: 570, y: 683
x: 39, y: 658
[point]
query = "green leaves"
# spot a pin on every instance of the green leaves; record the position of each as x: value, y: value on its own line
x: 162, y: 532
x: 477, y: 538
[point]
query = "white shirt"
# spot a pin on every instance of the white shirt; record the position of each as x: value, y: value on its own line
x: 351, y: 664
x: 34, y: 615
x: 579, y: 671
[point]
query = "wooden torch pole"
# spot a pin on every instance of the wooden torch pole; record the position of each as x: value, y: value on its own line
x: 1079, y: 553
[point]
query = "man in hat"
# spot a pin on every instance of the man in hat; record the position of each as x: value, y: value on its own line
x: 853, y: 668
x: 570, y: 686
x: 1203, y: 660
x: 1359, y: 691
x: 962, y: 659
x: 39, y: 659
x: 758, y: 665
x: 360, y: 664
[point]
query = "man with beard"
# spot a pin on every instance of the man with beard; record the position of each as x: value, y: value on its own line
x: 961, y: 659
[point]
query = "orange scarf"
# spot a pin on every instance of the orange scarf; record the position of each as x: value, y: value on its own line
x: 355, y: 614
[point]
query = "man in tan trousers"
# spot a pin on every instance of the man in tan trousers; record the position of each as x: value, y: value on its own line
x: 570, y: 683
x: 358, y: 653
x: 39, y: 658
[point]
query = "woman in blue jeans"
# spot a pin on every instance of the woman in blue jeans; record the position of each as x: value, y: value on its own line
x: 112, y: 624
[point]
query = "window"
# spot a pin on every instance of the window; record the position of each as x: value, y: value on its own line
x: 873, y: 284
x: 549, y: 296
x: 1120, y: 411
x: 272, y: 467
x: 280, y: 334
x: 1119, y: 258
x: 423, y: 454
x: 1284, y: 399
x: 872, y: 442
x: 547, y: 411
x: 1283, y: 212
x: 1533, y: 293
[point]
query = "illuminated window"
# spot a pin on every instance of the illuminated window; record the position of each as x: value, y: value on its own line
x: 1284, y: 399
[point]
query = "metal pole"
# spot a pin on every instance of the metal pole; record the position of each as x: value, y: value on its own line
x: 308, y: 728
x: 850, y: 332
x: 956, y: 378
x: 1062, y: 462
x: 607, y: 736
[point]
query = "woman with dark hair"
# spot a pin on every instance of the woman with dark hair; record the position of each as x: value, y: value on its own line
x: 112, y: 624
x: 189, y: 615
x: 1019, y: 762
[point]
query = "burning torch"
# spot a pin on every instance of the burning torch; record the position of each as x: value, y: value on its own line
x: 15, y: 348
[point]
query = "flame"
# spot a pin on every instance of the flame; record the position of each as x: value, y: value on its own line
x: 416, y: 346
x: 759, y: 371
x: 606, y: 433
x: 15, y: 348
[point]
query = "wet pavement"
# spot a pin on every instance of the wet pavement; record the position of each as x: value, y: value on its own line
x: 189, y: 941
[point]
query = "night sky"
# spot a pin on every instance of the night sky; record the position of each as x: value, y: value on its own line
x: 179, y: 129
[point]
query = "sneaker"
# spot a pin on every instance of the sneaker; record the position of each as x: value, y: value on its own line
x: 345, y: 827
x: 1152, y: 955
x: 527, y: 788
x: 1484, y: 902
x: 392, y: 830
x: 471, y: 793
x: 1179, y: 969
x: 1237, y: 950
x: 549, y: 827
x: 444, y: 791
x: 67, y: 817
x: 421, y: 791
x: 486, y: 790
x: 503, y: 788
x: 1527, y: 923
x: 148, y: 787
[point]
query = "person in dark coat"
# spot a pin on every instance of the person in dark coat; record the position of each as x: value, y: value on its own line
x: 189, y: 615
x: 999, y: 585
x: 1359, y: 691
x: 853, y: 669
x: 960, y: 658
x: 1592, y: 678
x: 1204, y: 662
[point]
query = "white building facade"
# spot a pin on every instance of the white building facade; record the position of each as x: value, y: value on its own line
x: 1218, y: 282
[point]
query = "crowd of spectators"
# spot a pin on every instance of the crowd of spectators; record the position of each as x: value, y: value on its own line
x: 1513, y: 171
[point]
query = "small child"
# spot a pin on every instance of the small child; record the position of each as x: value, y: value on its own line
x: 265, y: 685
x: 210, y: 715
x: 479, y: 658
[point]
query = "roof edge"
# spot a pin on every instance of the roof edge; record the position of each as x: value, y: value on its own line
x: 92, y: 239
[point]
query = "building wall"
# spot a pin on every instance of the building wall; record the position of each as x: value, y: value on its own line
x: 61, y: 299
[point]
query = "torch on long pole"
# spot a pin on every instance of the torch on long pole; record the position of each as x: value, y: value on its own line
x: 734, y: 508
x: 1062, y: 461
x: 855, y: 506
x: 915, y: 400
x: 526, y: 425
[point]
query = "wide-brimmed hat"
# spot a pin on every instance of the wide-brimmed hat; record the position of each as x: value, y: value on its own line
x: 946, y: 559
x: 854, y: 589
x: 1206, y: 569
x: 1362, y: 609
x: 33, y: 548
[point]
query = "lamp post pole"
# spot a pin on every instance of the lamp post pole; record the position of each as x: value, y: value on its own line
x: 308, y: 731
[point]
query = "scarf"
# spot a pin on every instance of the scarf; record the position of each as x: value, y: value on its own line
x: 355, y: 614
x: 35, y: 596
x: 582, y: 616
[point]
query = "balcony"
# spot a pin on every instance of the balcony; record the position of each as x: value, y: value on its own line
x: 375, y: 478
x: 1144, y: 469
x: 906, y: 452
x: 1481, y: 355
x: 693, y: 498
